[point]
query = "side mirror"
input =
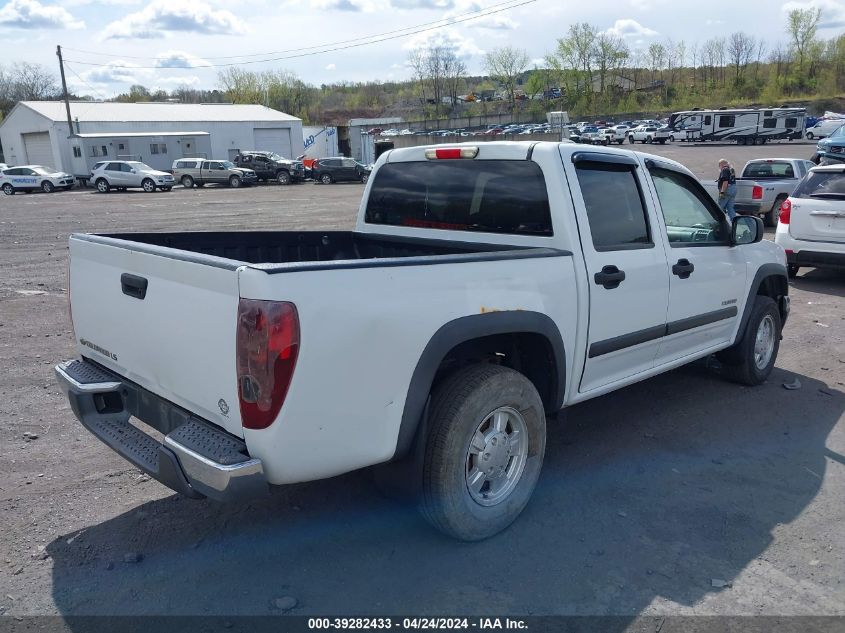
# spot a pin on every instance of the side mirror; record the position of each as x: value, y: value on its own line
x: 132, y: 171
x: 746, y: 229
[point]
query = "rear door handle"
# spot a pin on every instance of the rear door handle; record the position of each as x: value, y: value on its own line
x: 610, y: 277
x: 683, y: 268
x: 133, y: 285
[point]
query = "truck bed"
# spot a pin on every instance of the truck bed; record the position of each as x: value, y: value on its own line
x: 281, y: 251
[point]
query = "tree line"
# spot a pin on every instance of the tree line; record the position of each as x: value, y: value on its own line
x: 588, y: 71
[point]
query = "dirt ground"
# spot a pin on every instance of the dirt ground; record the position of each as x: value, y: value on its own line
x: 684, y: 494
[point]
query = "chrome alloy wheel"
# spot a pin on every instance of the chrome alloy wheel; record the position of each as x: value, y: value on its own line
x: 496, y: 456
x: 764, y: 342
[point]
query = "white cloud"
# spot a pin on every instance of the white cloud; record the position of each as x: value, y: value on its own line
x: 496, y: 22
x: 833, y: 11
x: 331, y: 67
x: 174, y: 15
x: 711, y: 22
x: 353, y: 6
x: 646, y: 5
x: 448, y: 38
x: 180, y: 80
x: 629, y: 28
x: 116, y: 72
x: 179, y: 59
x: 31, y: 14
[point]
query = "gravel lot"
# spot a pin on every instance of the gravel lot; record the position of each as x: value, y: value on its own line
x: 647, y: 497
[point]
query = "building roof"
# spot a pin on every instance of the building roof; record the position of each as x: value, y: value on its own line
x: 138, y: 134
x: 98, y: 111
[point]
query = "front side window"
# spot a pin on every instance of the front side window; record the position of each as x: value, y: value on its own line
x: 126, y: 167
x: 689, y: 215
x: 615, y: 207
x: 489, y: 196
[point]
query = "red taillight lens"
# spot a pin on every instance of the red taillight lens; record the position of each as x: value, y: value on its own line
x: 267, y: 348
x: 69, y: 306
x: 756, y: 192
x: 785, y: 211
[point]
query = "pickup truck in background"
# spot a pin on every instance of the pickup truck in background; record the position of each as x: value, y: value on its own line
x: 271, y: 166
x: 483, y: 288
x: 764, y: 184
x: 649, y: 134
x: 198, y: 171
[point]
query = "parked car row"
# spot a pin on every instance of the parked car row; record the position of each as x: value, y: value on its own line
x: 27, y: 178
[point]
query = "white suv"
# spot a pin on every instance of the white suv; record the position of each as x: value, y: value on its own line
x: 812, y: 221
x: 126, y: 174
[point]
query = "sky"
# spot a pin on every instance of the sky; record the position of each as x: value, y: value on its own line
x: 112, y: 44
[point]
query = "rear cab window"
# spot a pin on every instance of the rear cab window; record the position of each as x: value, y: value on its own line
x: 769, y: 169
x: 489, y: 196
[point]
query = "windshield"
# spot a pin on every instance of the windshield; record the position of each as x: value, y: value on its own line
x: 838, y: 132
x: 39, y: 169
x: 228, y: 165
x: 142, y: 166
x: 822, y: 184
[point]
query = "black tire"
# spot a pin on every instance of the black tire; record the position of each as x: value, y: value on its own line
x: 8, y: 189
x: 631, y: 140
x: 792, y: 270
x: 48, y: 187
x: 809, y: 136
x: 364, y: 178
x: 771, y: 218
x: 148, y: 185
x: 102, y: 185
x: 283, y: 178
x: 662, y: 141
x: 460, y: 404
x: 758, y: 141
x: 740, y: 363
x: 187, y: 182
x: 234, y: 182
x: 326, y: 179
x: 671, y: 139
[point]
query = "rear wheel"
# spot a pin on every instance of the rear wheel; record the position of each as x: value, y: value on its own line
x: 771, y: 218
x: 8, y: 189
x: 740, y: 140
x: 187, y: 182
x: 234, y: 182
x: 148, y: 185
x: 759, y: 141
x: 326, y: 179
x: 751, y: 359
x: 48, y: 187
x: 103, y: 185
x: 484, y: 451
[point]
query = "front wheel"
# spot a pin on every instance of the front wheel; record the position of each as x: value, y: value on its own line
x: 235, y: 182
x: 8, y: 189
x: 365, y: 178
x: 631, y: 140
x: 148, y: 185
x: 484, y: 451
x: 809, y: 136
x: 48, y: 187
x: 752, y: 358
x: 283, y: 178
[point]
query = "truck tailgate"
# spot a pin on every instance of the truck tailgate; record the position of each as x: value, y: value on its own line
x: 818, y: 220
x: 162, y: 321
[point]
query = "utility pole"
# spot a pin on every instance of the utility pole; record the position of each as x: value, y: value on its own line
x: 64, y: 90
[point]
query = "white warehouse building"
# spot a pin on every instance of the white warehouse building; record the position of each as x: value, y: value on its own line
x: 36, y: 133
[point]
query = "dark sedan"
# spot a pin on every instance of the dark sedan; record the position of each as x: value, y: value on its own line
x: 339, y: 169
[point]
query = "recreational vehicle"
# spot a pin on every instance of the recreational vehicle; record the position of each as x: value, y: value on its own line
x: 746, y: 127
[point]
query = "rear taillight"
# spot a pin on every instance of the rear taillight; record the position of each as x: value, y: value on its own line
x: 267, y: 347
x: 69, y: 306
x: 785, y: 211
x: 756, y: 192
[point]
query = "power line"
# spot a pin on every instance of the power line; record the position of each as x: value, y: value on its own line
x: 92, y: 88
x: 483, y: 12
x: 318, y: 52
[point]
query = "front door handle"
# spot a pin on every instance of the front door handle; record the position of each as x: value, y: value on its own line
x: 683, y: 268
x: 610, y: 277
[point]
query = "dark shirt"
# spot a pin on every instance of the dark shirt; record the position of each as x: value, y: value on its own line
x: 726, y: 175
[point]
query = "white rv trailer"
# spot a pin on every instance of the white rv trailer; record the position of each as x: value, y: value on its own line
x: 745, y: 126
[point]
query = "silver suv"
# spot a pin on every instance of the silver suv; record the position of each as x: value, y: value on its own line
x: 129, y: 174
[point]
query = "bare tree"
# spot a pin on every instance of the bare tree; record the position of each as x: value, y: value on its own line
x: 417, y: 62
x: 656, y: 58
x: 694, y: 54
x: 802, y: 24
x: 741, y: 48
x: 505, y: 65
x: 241, y: 86
x: 607, y: 52
x: 454, y: 74
x: 33, y: 82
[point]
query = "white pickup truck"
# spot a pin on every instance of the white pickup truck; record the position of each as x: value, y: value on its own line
x: 483, y: 288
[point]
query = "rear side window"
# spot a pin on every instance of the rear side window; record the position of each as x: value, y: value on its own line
x: 489, y: 196
x: 113, y: 167
x: 614, y: 205
x: 822, y: 184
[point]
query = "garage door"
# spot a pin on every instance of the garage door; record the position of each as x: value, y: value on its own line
x: 273, y: 140
x: 38, y: 149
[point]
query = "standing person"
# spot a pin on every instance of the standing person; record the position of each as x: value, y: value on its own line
x: 727, y: 188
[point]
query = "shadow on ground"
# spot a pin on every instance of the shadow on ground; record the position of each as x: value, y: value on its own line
x: 649, y: 492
